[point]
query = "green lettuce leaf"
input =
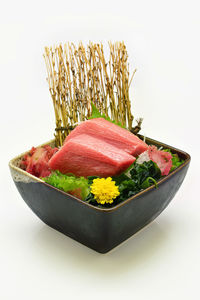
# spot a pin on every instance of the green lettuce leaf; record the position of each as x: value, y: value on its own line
x: 68, y: 183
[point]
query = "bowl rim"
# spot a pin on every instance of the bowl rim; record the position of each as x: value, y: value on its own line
x: 117, y: 206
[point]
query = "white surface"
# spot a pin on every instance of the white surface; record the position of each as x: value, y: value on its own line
x: 162, y: 261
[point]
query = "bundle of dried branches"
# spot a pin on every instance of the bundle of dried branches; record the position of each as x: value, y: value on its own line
x: 78, y: 76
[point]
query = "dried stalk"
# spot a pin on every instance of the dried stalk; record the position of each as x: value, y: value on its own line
x: 78, y: 76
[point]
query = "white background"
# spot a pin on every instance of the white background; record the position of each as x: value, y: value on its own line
x: 162, y: 38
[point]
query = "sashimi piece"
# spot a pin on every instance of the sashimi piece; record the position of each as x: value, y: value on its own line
x: 85, y: 155
x: 36, y: 161
x: 161, y: 158
x: 111, y: 133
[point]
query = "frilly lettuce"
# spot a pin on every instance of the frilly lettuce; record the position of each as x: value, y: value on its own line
x: 68, y: 183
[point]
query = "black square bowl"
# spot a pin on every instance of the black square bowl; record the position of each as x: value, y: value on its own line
x: 98, y: 228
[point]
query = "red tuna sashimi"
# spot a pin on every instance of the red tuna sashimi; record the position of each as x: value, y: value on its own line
x: 36, y: 161
x: 110, y: 133
x: 161, y: 158
x: 85, y: 155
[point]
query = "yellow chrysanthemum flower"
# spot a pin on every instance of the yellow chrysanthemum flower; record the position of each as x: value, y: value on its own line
x: 104, y: 190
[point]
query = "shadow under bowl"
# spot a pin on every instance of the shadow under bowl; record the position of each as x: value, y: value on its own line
x: 98, y: 228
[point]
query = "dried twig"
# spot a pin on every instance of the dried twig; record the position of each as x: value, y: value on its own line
x: 78, y: 76
x: 137, y: 128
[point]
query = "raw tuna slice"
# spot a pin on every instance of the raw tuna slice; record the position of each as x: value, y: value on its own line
x: 85, y: 155
x: 161, y: 158
x: 36, y: 161
x: 111, y: 133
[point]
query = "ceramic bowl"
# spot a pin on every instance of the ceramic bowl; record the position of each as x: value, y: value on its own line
x: 98, y: 228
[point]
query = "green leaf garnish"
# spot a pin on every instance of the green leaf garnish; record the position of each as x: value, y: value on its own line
x: 68, y: 183
x: 142, y: 176
x: 148, y: 182
x: 140, y: 172
x: 96, y: 114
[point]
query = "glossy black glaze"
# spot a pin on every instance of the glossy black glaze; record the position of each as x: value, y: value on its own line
x: 102, y: 229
